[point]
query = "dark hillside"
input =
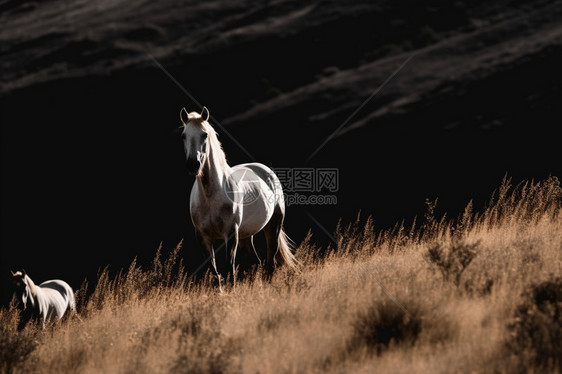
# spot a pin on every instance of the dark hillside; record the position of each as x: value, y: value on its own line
x: 93, y: 169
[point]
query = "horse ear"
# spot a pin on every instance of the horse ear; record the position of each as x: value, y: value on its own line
x: 186, y: 120
x: 23, y: 272
x: 13, y: 274
x: 205, y: 110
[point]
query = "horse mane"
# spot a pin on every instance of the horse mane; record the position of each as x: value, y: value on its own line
x: 214, y: 143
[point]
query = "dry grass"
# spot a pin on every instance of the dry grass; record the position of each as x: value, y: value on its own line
x: 480, y: 293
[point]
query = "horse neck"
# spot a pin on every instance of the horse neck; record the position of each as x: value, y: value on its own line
x: 32, y: 299
x: 215, y: 170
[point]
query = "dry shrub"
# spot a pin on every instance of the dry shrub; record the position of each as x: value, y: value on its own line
x: 536, y: 333
x: 386, y: 324
x: 453, y: 261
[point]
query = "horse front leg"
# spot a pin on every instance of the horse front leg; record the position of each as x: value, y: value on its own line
x: 208, y: 244
x: 231, y: 246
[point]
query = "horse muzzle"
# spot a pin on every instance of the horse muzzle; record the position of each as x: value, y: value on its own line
x: 193, y: 166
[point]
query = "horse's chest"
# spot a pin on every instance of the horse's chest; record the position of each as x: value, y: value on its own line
x: 213, y: 220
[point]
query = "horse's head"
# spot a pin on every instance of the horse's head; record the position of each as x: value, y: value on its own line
x: 22, y: 290
x: 195, y: 139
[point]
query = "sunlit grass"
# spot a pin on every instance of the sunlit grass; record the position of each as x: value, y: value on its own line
x: 452, y: 295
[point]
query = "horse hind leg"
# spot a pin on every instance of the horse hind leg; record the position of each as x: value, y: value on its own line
x: 272, y: 230
x: 247, y: 245
x: 248, y: 251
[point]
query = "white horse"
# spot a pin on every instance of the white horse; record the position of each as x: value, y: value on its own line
x: 232, y: 203
x: 49, y: 301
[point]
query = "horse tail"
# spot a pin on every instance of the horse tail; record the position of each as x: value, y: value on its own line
x: 284, y: 253
x: 72, y: 313
x: 72, y: 302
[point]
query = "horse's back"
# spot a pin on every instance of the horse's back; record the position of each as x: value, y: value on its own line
x: 265, y: 174
x: 57, y: 297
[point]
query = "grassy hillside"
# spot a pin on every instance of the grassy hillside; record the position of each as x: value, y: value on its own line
x: 477, y: 293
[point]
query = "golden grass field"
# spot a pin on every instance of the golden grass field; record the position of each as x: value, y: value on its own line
x: 480, y: 293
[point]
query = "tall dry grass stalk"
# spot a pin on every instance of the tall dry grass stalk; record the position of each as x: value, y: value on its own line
x: 478, y: 293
